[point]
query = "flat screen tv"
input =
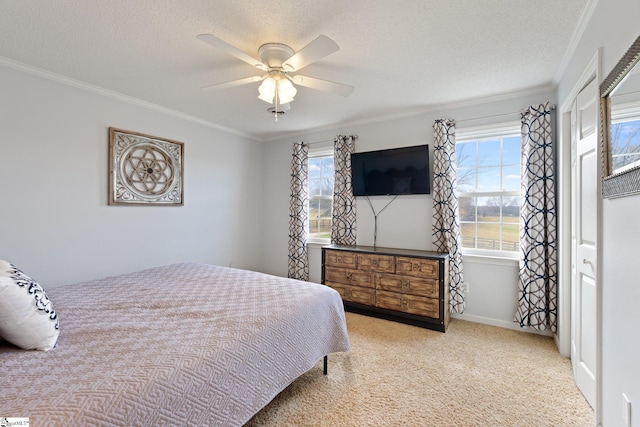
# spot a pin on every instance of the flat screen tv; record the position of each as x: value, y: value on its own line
x: 391, y: 172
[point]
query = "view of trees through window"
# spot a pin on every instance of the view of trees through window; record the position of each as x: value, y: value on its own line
x: 320, y: 196
x: 488, y: 173
x: 625, y: 144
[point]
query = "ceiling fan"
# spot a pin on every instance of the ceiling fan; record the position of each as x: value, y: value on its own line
x: 278, y: 60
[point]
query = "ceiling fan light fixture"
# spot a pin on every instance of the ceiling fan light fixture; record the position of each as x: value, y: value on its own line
x: 267, y: 90
x: 280, y: 85
x: 286, y: 91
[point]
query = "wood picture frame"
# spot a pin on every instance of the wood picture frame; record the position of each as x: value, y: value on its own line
x: 145, y: 170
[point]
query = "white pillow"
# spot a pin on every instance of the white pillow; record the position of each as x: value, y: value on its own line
x: 27, y: 317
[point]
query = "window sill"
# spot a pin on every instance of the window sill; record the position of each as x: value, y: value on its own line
x: 506, y: 260
x: 318, y: 244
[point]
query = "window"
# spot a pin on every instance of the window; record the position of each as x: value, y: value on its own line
x: 320, y: 196
x: 488, y: 173
x: 625, y: 136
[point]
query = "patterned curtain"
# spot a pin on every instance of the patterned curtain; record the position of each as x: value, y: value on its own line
x: 299, y: 213
x: 537, y: 294
x: 446, y: 215
x: 343, y: 217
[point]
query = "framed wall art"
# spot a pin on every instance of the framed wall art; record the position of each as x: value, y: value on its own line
x: 144, y: 169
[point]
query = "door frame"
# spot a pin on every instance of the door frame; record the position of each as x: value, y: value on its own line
x: 564, y: 152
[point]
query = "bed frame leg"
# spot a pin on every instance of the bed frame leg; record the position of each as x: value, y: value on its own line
x: 326, y: 360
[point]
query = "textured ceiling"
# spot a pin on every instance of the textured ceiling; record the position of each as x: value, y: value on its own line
x: 401, y: 56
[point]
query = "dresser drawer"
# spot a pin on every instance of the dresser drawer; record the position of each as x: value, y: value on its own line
x: 427, y: 268
x: 378, y: 263
x: 349, y: 277
x: 340, y: 259
x: 407, y: 303
x: 408, y: 285
x: 355, y: 294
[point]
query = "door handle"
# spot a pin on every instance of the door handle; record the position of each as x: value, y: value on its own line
x: 587, y: 262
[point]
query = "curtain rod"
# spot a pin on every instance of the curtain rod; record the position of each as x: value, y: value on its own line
x: 326, y: 140
x: 552, y: 106
x: 316, y: 142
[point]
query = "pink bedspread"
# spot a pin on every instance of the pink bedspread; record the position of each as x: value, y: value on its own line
x: 184, y: 344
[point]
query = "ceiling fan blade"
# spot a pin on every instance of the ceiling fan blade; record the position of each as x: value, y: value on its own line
x: 234, y: 83
x: 323, y: 85
x: 317, y: 49
x: 231, y: 50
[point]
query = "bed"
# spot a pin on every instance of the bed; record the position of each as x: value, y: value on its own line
x: 184, y: 344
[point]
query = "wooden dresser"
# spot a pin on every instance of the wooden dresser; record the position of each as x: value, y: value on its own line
x: 408, y: 286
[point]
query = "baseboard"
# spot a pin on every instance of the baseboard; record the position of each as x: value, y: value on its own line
x: 500, y: 323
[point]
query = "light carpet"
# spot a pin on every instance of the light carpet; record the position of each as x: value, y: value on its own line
x: 401, y: 375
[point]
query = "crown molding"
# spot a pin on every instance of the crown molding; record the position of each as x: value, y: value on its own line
x: 58, y: 78
x: 435, y: 108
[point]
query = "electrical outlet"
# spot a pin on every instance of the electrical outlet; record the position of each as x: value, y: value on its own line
x: 626, y: 410
x: 467, y: 285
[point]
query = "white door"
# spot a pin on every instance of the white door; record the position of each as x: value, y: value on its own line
x: 584, y: 231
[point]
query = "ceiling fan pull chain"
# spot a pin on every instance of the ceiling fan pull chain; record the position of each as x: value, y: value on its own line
x: 275, y: 111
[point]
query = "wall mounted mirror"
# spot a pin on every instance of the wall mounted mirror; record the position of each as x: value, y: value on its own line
x: 620, y: 130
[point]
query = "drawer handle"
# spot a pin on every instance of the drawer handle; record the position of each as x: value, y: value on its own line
x: 349, y: 275
x: 374, y: 262
x: 405, y: 285
x: 404, y: 303
x: 416, y: 267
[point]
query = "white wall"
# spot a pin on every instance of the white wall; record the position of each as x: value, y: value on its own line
x: 613, y: 28
x: 54, y: 220
x: 407, y: 222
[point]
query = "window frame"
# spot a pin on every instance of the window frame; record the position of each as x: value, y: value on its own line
x: 485, y: 132
x: 315, y: 153
x: 624, y: 113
